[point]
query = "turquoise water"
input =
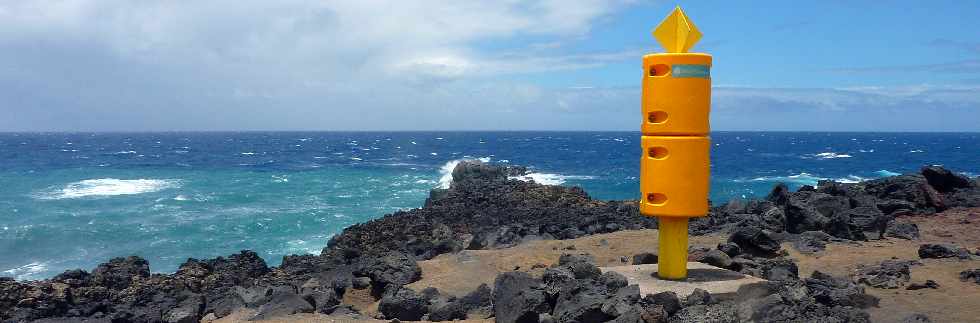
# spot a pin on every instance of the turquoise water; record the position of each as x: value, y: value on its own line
x: 74, y: 200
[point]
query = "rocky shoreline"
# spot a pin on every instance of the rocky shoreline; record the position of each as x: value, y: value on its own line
x: 486, y: 209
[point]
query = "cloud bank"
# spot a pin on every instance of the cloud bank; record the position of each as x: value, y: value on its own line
x: 372, y: 65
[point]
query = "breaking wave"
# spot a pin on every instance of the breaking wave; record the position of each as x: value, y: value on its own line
x: 28, y: 271
x: 831, y: 155
x: 107, y: 187
x: 446, y: 171
x: 808, y: 179
x: 549, y: 179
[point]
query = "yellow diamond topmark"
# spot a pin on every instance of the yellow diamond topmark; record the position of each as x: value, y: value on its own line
x: 677, y: 34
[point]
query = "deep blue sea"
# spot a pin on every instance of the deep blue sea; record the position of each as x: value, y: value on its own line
x: 73, y: 200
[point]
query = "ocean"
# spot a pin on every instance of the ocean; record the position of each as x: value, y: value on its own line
x: 73, y: 200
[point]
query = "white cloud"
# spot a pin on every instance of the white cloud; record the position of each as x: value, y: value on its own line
x: 349, y: 65
x: 114, y: 64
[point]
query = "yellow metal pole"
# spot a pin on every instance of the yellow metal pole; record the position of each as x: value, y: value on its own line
x: 674, y: 169
x: 673, y: 248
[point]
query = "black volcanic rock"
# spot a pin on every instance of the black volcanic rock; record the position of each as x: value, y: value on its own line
x: 931, y: 250
x: 834, y: 291
x: 393, y: 269
x: 403, y: 304
x: 812, y: 241
x: 754, y: 241
x: 889, y: 274
x: 485, y: 209
x: 903, y: 230
x: 283, y: 301
x: 802, y: 215
x: 716, y: 258
x: 944, y: 181
x: 518, y: 297
x: 971, y: 274
x: 118, y: 273
x: 645, y: 258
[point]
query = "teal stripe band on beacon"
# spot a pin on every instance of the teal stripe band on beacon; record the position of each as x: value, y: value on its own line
x: 690, y: 70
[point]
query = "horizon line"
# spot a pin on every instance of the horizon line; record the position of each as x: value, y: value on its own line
x: 462, y: 131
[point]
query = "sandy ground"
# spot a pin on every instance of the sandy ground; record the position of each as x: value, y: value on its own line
x: 954, y: 301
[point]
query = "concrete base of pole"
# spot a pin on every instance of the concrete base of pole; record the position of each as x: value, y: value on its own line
x: 721, y: 283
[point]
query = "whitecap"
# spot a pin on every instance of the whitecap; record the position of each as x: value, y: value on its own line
x: 182, y: 197
x: 356, y: 159
x: 127, y: 152
x: 886, y: 173
x: 916, y: 151
x: 801, y: 178
x: 28, y: 271
x: 549, y: 179
x: 850, y: 179
x: 248, y: 153
x: 446, y: 171
x: 107, y: 187
x: 831, y: 155
x: 434, y: 154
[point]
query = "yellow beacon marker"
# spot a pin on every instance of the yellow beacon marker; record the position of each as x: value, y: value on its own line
x: 677, y: 34
x: 674, y: 167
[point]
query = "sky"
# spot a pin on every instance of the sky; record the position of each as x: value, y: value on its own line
x: 227, y: 65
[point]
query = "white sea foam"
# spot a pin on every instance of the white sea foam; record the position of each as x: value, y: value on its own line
x: 107, y: 187
x: 182, y: 197
x: 812, y: 180
x: 801, y: 178
x: 549, y: 179
x: 27, y: 271
x: 916, y: 151
x: 886, y: 173
x: 831, y: 155
x: 850, y: 179
x: 446, y: 171
x: 127, y: 152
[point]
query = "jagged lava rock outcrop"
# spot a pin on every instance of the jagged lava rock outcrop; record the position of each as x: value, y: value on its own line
x: 484, y: 209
